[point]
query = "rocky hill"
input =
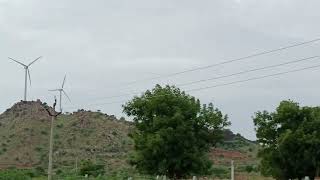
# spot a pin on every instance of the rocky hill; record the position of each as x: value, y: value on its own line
x: 24, y: 139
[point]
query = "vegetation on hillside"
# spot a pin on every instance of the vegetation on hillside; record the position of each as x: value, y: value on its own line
x: 87, y: 136
x: 82, y: 135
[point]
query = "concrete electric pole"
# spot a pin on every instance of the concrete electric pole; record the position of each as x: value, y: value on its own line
x: 53, y: 114
x: 232, y: 170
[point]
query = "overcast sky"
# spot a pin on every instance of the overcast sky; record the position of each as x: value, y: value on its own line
x: 102, y: 45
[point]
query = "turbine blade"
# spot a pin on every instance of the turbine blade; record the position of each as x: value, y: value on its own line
x: 66, y: 95
x: 17, y: 62
x: 29, y: 76
x: 64, y: 80
x: 34, y: 61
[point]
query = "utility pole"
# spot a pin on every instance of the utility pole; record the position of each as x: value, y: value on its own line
x: 232, y: 170
x: 53, y: 115
x: 50, y: 150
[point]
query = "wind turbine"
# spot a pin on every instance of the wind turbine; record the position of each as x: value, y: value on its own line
x: 27, y: 73
x: 61, y: 90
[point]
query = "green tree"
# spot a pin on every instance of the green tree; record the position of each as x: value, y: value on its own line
x: 173, y: 133
x: 290, y: 140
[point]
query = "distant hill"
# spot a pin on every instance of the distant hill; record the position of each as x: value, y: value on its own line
x: 24, y: 136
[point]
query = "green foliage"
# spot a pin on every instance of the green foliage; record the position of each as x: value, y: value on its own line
x: 91, y: 169
x: 14, y: 174
x: 39, y: 171
x: 249, y: 168
x: 60, y: 126
x: 72, y: 177
x: 173, y: 133
x: 220, y: 172
x: 290, y: 140
x: 38, y: 149
x: 44, y: 132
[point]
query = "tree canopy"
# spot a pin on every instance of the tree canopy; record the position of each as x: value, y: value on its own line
x: 290, y: 140
x: 173, y: 132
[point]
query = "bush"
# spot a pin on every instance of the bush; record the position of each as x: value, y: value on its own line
x: 91, y: 169
x: 44, y: 132
x: 249, y: 168
x: 39, y: 171
x: 38, y: 149
x: 59, y: 126
x: 71, y: 177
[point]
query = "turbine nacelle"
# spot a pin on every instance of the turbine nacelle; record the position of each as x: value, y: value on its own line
x: 56, y: 90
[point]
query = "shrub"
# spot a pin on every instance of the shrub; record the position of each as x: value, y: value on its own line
x: 91, y: 169
x: 38, y: 149
x: 249, y: 168
x: 44, y: 132
x: 39, y: 171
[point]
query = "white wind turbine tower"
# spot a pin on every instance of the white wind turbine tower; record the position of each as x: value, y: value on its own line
x: 27, y: 73
x: 61, y: 90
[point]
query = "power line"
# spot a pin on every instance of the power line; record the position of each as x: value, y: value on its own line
x: 255, y: 78
x: 224, y: 76
x: 227, y: 84
x: 217, y: 64
x: 247, y: 71
x: 229, y: 61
